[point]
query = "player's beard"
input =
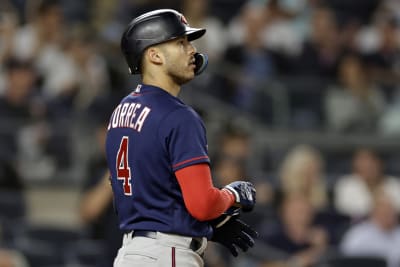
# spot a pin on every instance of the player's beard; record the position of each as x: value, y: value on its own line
x: 179, y: 78
x: 179, y: 73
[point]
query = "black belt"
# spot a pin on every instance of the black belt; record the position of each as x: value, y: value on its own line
x: 195, y: 244
x: 149, y: 234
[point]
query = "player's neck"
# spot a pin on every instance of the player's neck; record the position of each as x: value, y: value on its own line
x: 163, y: 83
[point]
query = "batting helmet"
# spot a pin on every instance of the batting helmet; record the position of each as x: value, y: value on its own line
x: 156, y: 27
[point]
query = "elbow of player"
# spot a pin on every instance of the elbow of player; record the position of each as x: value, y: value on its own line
x: 201, y: 210
x: 201, y: 217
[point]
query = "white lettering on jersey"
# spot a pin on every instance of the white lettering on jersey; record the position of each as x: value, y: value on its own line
x: 131, y: 123
x: 115, y: 117
x: 124, y: 116
x: 142, y: 118
x: 129, y: 114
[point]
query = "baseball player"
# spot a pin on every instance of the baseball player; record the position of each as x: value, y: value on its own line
x: 157, y: 155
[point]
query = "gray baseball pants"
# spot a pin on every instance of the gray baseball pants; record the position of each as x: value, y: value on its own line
x: 160, y: 250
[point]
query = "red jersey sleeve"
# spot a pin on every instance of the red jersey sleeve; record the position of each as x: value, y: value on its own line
x: 203, y: 201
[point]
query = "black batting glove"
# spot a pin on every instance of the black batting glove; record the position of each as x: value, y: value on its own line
x: 232, y: 212
x: 245, y: 194
x: 233, y: 234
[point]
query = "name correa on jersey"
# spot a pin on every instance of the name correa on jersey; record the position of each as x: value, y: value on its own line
x: 152, y: 134
x: 125, y: 116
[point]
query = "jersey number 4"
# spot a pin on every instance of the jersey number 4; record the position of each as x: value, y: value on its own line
x: 123, y: 169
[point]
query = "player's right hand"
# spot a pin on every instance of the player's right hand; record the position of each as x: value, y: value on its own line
x: 245, y: 194
x: 233, y: 234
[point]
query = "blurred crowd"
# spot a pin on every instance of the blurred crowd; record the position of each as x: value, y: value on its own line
x: 298, y: 65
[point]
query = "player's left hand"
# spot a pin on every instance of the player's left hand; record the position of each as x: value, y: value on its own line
x: 232, y: 232
x: 245, y: 194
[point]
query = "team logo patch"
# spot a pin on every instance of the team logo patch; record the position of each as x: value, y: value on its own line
x: 137, y: 90
x: 183, y: 20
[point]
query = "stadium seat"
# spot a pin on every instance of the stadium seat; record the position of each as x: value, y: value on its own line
x: 347, y: 261
x: 85, y: 253
x: 45, y: 245
x: 39, y: 253
x: 51, y: 234
x: 12, y: 204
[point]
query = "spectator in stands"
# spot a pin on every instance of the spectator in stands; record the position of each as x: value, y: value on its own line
x: 280, y: 33
x: 321, y: 51
x: 229, y: 169
x: 295, y: 240
x: 96, y: 204
x: 8, y: 24
x: 87, y: 68
x: 354, y: 104
x: 215, y: 41
x: 16, y: 108
x: 232, y: 162
x: 353, y: 192
x: 17, y: 111
x: 235, y: 143
x: 250, y: 65
x: 97, y: 213
x: 302, y: 172
x: 379, y: 235
x: 41, y: 40
x: 383, y: 61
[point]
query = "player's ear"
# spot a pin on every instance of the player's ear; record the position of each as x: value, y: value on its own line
x: 154, y: 55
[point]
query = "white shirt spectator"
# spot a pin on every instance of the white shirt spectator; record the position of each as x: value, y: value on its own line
x: 279, y: 35
x: 353, y: 198
x: 368, y: 39
x: 367, y: 239
x: 25, y: 42
x: 50, y: 60
x: 215, y: 41
x: 345, y: 110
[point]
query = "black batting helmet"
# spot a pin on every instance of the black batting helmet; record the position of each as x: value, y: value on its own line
x: 152, y: 28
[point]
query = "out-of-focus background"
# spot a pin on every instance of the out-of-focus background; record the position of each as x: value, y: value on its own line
x: 301, y: 97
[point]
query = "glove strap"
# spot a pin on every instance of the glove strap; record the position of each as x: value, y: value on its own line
x: 234, y: 192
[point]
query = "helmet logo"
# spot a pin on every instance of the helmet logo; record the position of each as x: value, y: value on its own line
x: 183, y: 20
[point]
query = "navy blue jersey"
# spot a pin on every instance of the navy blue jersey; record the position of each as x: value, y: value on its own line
x: 152, y: 134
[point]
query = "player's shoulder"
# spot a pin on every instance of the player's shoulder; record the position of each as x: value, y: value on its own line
x: 181, y: 117
x: 184, y: 112
x: 126, y: 99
